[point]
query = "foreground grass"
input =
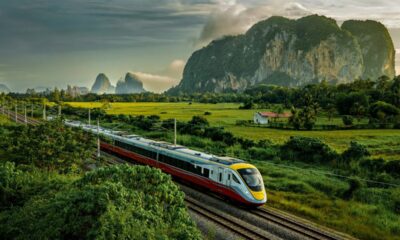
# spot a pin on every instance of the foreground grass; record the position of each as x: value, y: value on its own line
x: 380, y: 142
x: 369, y: 214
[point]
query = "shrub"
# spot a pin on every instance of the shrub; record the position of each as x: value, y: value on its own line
x: 373, y: 165
x: 247, y: 105
x: 393, y: 168
x: 347, y: 120
x: 354, y: 185
x: 305, y: 149
x: 355, y: 152
x: 263, y: 153
x: 207, y: 113
x: 246, y: 143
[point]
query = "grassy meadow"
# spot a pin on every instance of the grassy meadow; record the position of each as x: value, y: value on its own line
x: 380, y: 142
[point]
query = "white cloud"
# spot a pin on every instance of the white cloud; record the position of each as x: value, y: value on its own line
x: 237, y: 18
x: 165, y: 79
x: 174, y: 69
x: 156, y: 83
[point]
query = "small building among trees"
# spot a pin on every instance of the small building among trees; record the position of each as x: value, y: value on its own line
x: 265, y: 117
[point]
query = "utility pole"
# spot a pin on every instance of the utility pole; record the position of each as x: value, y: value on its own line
x: 175, y: 131
x: 59, y: 110
x: 25, y: 119
x: 16, y: 110
x: 31, y: 110
x: 98, y: 139
x: 44, y: 111
x: 89, y: 117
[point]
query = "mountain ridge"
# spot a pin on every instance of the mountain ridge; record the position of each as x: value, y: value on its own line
x: 289, y: 52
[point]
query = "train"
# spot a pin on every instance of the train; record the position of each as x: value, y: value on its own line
x: 228, y: 177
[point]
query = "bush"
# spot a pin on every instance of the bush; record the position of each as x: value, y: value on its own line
x: 355, y: 152
x: 393, y: 168
x: 246, y: 143
x: 347, y: 120
x: 305, y: 149
x: 373, y: 165
x: 207, y: 113
x: 247, y: 105
x: 263, y: 154
x: 354, y: 185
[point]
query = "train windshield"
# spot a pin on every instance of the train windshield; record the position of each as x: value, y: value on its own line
x: 252, y: 177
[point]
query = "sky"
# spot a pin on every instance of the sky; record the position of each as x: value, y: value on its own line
x: 48, y: 43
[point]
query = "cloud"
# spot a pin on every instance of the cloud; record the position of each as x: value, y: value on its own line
x: 165, y: 79
x: 174, y: 69
x: 237, y: 18
x: 156, y: 83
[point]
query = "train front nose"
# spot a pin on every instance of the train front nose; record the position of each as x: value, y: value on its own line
x: 260, y: 196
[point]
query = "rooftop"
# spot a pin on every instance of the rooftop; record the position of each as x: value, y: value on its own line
x: 274, y: 115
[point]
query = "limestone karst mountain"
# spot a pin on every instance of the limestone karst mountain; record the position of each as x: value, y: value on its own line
x: 102, y: 85
x: 131, y: 84
x: 291, y: 53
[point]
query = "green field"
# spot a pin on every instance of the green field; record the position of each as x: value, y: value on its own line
x: 381, y: 142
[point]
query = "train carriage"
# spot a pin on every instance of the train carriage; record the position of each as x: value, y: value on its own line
x: 230, y: 177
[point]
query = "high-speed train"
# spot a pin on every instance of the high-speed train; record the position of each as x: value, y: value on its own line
x: 229, y: 177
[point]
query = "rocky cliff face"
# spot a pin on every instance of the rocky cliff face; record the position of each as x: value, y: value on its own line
x: 376, y: 46
x: 102, y: 85
x: 4, y: 89
x: 286, y: 52
x: 131, y: 84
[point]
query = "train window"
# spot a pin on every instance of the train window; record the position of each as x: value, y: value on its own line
x: 206, y: 172
x: 229, y: 177
x: 235, y: 179
x: 220, y: 177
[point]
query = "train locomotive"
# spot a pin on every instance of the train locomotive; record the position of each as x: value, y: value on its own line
x: 229, y: 177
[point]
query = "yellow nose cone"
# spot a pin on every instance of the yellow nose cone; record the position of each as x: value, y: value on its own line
x: 258, y: 195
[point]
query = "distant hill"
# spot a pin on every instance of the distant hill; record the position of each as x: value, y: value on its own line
x: 4, y: 88
x: 102, y: 85
x: 291, y: 53
x: 131, y: 84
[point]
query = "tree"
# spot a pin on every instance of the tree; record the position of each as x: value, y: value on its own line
x: 295, y: 120
x: 118, y: 202
x: 345, y: 102
x: 51, y: 146
x: 383, y: 111
x: 331, y: 110
x: 309, y: 117
x: 358, y: 110
x: 278, y: 110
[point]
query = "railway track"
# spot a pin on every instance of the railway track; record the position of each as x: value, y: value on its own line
x: 293, y: 225
x: 20, y: 118
x: 233, y: 224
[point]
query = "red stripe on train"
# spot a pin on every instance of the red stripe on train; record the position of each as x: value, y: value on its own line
x: 197, y: 180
